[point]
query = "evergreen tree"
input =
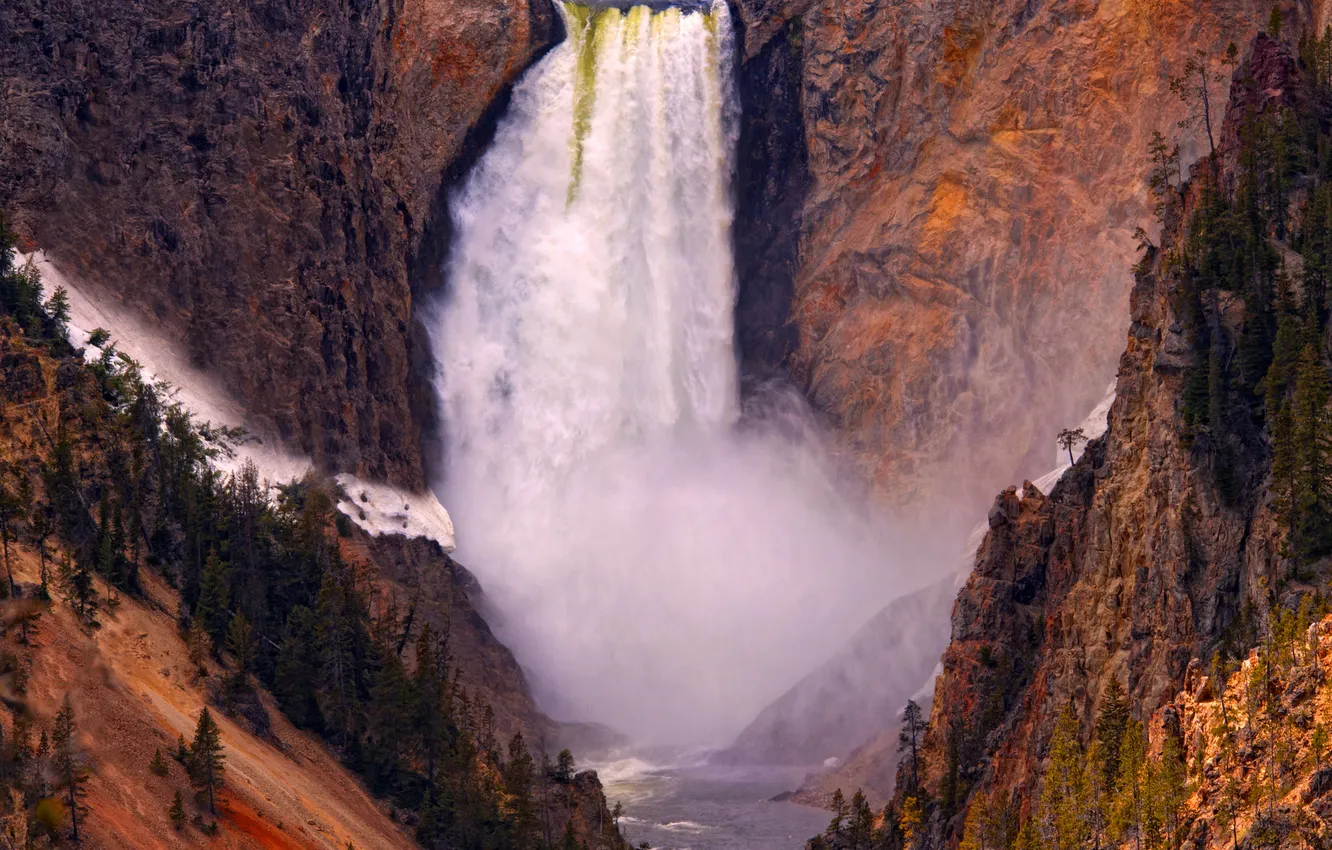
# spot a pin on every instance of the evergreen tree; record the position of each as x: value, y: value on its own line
x: 913, y: 726
x: 1064, y: 798
x: 1110, y: 725
x: 389, y: 714
x: 840, y: 813
x: 240, y: 643
x: 1312, y: 434
x: 860, y: 828
x: 213, y: 608
x: 11, y: 513
x: 158, y: 766
x: 1127, y: 820
x: 199, y: 645
x: 66, y: 762
x: 297, y: 667
x: 207, y: 762
x: 564, y: 767
x: 177, y: 811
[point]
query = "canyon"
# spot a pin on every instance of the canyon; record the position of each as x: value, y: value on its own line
x: 933, y: 230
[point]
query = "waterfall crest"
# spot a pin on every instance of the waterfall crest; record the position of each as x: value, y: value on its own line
x: 654, y: 567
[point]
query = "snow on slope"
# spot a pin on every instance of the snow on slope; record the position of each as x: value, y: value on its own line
x: 376, y: 508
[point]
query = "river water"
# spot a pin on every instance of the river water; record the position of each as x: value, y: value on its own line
x: 707, y: 807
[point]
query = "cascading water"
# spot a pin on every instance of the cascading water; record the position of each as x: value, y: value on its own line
x: 656, y: 567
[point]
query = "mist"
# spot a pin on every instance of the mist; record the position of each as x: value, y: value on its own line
x: 673, y: 586
x: 660, y: 560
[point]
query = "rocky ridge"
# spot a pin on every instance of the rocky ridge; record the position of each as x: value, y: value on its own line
x: 1136, y: 563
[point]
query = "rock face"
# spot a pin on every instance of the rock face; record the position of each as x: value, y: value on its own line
x: 937, y: 208
x: 847, y: 700
x: 265, y: 179
x: 1132, y: 566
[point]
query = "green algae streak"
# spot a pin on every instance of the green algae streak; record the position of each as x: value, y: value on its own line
x: 590, y: 29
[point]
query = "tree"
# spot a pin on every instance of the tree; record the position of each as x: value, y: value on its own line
x: 564, y: 767
x: 1110, y: 724
x: 66, y: 762
x: 1070, y: 439
x: 57, y: 309
x: 1193, y: 87
x: 1275, y: 22
x: 913, y: 726
x: 207, y: 761
x: 214, y: 603
x: 1128, y: 809
x: 158, y: 766
x: 177, y: 811
x: 913, y: 816
x: 840, y: 813
x: 1165, y: 165
x: 43, y: 526
x: 240, y: 643
x: 1318, y: 745
x: 200, y: 646
x: 1312, y: 435
x: 12, y: 511
x: 80, y: 592
x: 860, y: 830
x: 1064, y: 798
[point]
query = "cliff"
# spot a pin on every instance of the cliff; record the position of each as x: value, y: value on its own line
x: 934, y: 196
x: 1168, y: 541
x: 267, y: 182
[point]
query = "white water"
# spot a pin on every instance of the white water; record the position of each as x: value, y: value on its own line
x: 655, y: 566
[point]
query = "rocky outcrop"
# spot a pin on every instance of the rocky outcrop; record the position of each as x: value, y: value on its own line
x: 267, y: 181
x: 955, y: 233
x: 1136, y: 562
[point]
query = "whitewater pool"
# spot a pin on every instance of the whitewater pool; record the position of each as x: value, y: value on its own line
x: 702, y: 807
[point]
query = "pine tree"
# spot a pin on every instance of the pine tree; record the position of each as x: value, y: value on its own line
x: 840, y: 813
x: 158, y: 766
x: 213, y: 608
x: 12, y: 511
x: 65, y: 761
x: 1128, y: 810
x: 913, y: 726
x: 80, y: 592
x: 861, y: 827
x: 297, y: 669
x: 389, y: 714
x: 199, y: 645
x: 1110, y: 724
x: 564, y: 767
x: 240, y: 643
x: 519, y: 777
x: 1312, y: 433
x: 1064, y: 798
x: 1318, y: 745
x: 335, y: 639
x: 207, y: 762
x: 177, y: 811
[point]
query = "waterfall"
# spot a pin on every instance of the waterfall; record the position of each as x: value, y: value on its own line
x: 653, y: 566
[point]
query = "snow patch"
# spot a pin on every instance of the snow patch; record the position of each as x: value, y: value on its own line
x: 380, y: 509
x: 163, y: 358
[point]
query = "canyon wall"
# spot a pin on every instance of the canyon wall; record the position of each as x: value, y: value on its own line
x: 267, y: 181
x: 958, y: 183
x: 1137, y: 562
